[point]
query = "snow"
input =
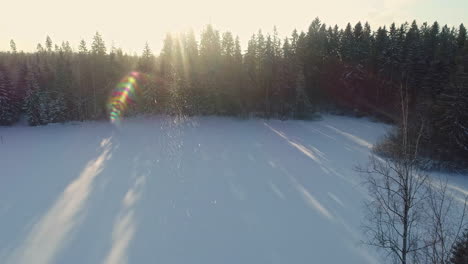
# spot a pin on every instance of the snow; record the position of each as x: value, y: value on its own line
x: 193, y: 190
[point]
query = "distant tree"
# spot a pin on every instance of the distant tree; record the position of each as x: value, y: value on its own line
x: 39, y: 48
x: 350, y: 69
x: 48, y: 44
x: 347, y: 44
x: 461, y: 37
x: 62, y: 109
x: 8, y: 107
x: 98, y: 46
x: 31, y: 101
x: 99, y: 80
x: 13, y: 46
x: 228, y: 92
x: 210, y: 75
x: 82, y: 49
x: 303, y: 107
x: 146, y: 61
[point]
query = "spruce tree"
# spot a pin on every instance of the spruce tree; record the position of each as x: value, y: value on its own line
x: 8, y: 107
x: 146, y: 61
x: 13, y: 46
x: 48, y: 44
x: 347, y: 44
x: 461, y: 37
x: 303, y: 107
x: 31, y: 101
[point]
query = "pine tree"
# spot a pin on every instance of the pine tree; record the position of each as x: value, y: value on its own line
x: 314, y: 62
x: 251, y: 68
x: 359, y: 52
x: 21, y: 84
x: 57, y: 108
x: 210, y: 65
x: 39, y: 48
x: 44, y: 105
x: 347, y: 44
x: 190, y: 48
x: 60, y: 108
x: 66, y: 48
x: 303, y: 107
x: 13, y: 46
x: 31, y: 101
x: 228, y: 92
x: 146, y: 61
x: 333, y: 44
x: 82, y: 49
x: 461, y: 37
x: 287, y: 81
x: 413, y: 66
x: 238, y: 79
x: 48, y: 44
x: 450, y: 118
x: 379, y: 50
x: 8, y: 108
x: 98, y: 46
x: 99, y: 76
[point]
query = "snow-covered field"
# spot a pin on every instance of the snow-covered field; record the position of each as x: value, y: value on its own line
x: 196, y: 190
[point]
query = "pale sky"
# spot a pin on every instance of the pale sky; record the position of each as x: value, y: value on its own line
x: 129, y: 24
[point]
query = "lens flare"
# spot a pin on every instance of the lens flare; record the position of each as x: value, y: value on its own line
x: 122, y: 96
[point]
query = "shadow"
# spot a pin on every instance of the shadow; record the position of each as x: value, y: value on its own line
x: 38, y: 164
x: 125, y: 223
x: 49, y: 235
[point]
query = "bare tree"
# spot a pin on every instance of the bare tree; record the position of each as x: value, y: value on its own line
x: 409, y: 216
x: 445, y: 222
x: 397, y: 191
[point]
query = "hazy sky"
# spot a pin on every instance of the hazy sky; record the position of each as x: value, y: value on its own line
x: 129, y: 24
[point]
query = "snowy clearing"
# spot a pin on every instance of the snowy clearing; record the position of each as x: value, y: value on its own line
x: 198, y: 190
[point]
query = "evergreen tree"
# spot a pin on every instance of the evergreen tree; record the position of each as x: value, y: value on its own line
x: 314, y: 64
x: 228, y: 92
x: 347, y: 69
x: 288, y: 80
x: 56, y: 107
x: 8, y: 107
x: 98, y: 47
x: 450, y: 119
x: 251, y: 68
x: 60, y: 108
x: 82, y: 49
x: 39, y: 48
x: 13, y: 46
x: 461, y: 37
x: 210, y: 64
x: 31, y: 101
x: 99, y: 80
x: 146, y: 61
x: 48, y: 44
x: 44, y: 103
x: 303, y: 107
x: 413, y: 65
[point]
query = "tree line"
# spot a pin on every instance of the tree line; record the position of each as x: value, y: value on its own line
x: 355, y: 70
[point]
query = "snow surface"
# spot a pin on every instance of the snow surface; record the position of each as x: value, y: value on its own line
x: 195, y: 190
